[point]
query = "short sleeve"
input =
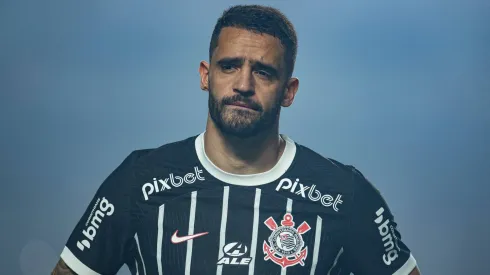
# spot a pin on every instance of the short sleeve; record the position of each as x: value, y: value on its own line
x: 374, y: 244
x: 100, y: 240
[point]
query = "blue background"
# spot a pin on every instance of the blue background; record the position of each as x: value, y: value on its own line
x: 400, y: 89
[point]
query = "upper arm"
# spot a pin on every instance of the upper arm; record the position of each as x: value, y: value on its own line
x: 415, y: 271
x: 101, y: 239
x: 62, y: 269
x: 374, y: 244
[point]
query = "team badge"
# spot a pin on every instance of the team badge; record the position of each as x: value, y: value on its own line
x: 285, y: 246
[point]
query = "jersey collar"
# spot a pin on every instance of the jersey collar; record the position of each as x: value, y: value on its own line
x: 273, y: 174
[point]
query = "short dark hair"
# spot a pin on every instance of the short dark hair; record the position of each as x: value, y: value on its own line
x: 263, y: 20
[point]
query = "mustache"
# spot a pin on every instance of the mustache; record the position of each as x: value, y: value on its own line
x: 238, y: 98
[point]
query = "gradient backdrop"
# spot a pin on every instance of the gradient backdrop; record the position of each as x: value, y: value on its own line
x: 400, y: 89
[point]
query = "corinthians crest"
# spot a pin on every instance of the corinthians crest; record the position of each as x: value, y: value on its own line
x: 285, y: 246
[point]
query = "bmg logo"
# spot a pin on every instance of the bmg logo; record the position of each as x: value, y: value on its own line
x: 105, y: 209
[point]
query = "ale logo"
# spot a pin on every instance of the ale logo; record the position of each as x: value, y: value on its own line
x: 234, y: 254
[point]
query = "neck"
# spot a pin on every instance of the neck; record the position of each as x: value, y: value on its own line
x: 243, y: 156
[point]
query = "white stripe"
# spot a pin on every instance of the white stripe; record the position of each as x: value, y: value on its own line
x: 222, y: 230
x: 316, y: 247
x: 75, y: 264
x: 289, y: 208
x: 192, y: 219
x: 136, y: 264
x: 160, y: 238
x: 336, y: 260
x: 255, y: 230
x: 409, y: 265
x: 139, y: 250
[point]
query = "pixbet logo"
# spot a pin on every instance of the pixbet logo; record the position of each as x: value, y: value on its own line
x: 160, y: 185
x: 388, y: 234
x: 314, y: 195
x: 234, y: 254
x: 94, y: 221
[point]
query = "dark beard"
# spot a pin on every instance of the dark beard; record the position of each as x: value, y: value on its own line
x: 241, y: 123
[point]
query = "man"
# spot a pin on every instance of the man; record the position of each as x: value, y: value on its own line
x: 239, y: 198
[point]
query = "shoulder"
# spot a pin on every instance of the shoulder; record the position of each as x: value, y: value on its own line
x: 172, y: 153
x: 331, y: 171
x: 140, y: 163
x: 142, y: 166
x: 313, y: 162
x: 136, y: 155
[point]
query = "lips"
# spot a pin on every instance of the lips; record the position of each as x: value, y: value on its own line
x: 242, y: 104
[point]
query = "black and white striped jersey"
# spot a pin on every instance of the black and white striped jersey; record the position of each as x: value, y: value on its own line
x: 171, y: 211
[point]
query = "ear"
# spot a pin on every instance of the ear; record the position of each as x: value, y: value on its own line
x: 290, y: 92
x: 204, y: 73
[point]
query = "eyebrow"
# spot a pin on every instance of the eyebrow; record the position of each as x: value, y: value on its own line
x: 255, y: 63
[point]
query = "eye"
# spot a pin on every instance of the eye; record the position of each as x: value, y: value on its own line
x: 263, y: 74
x: 227, y: 67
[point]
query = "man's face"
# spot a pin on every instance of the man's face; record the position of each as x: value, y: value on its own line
x: 247, y: 81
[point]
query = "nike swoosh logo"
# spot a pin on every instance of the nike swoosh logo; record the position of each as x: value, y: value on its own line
x: 177, y: 239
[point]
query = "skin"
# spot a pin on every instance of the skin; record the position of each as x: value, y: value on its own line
x: 245, y: 68
x: 415, y: 271
x: 250, y: 68
x: 62, y: 269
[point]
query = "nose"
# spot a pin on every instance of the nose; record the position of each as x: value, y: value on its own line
x: 245, y: 83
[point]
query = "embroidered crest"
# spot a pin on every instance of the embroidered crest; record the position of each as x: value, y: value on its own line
x: 285, y: 246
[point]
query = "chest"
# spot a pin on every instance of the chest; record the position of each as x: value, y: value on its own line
x: 230, y: 230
